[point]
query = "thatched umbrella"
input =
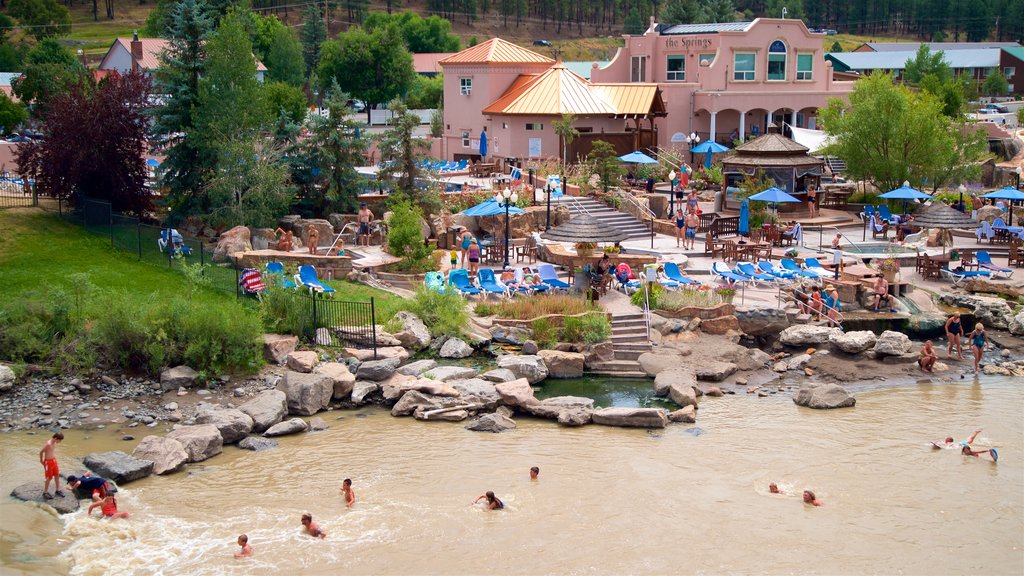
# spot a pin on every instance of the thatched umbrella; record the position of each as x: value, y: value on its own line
x: 584, y: 228
x: 942, y: 216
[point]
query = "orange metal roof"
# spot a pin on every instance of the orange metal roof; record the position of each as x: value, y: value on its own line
x: 496, y: 51
x: 151, y: 50
x: 561, y: 91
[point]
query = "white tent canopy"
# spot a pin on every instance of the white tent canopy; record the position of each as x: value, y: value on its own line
x: 813, y: 139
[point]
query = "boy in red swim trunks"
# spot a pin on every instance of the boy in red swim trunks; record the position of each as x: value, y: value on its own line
x: 48, y: 458
x: 108, y: 506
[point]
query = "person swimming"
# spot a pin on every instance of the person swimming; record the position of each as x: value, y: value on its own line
x: 493, y: 503
x: 810, y: 498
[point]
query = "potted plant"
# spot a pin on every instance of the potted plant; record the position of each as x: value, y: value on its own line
x: 612, y: 249
x: 889, y: 266
x: 726, y: 293
x: 585, y: 249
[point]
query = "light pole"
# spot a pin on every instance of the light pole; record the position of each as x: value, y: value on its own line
x: 549, y: 187
x: 692, y: 140
x: 672, y: 194
x: 506, y: 197
x: 1018, y: 172
x: 533, y: 192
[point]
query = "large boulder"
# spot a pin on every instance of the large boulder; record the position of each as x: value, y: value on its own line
x: 293, y: 426
x: 262, y: 238
x: 383, y: 352
x: 378, y: 370
x: 6, y: 378
x: 477, y: 391
x: 499, y: 375
x: 178, y: 377
x: 823, y: 396
x: 449, y: 373
x: 597, y: 353
x: 266, y: 409
x: 807, y: 335
x: 33, y: 492
x: 342, y: 379
x: 455, y: 348
x: 516, y: 393
x: 200, y: 442
x: 306, y: 394
x: 530, y: 367
x: 552, y: 407
x: 654, y: 363
x: 323, y: 227
x: 575, y: 416
x: 277, y: 347
x: 413, y: 400
x: 1016, y: 325
x: 686, y: 415
x: 714, y: 370
x: 631, y: 417
x: 989, y: 214
x: 118, y: 466
x: 562, y: 364
x: 492, y: 423
x: 515, y: 336
x: 414, y: 333
x: 853, y: 342
x: 256, y: 443
x: 362, y: 389
x: 231, y: 242
x: 892, y: 343
x: 167, y: 454
x: 993, y: 312
x: 392, y: 388
x: 679, y: 384
x: 423, y: 413
x: 428, y: 386
x: 232, y: 422
x: 302, y: 361
x: 417, y: 368
x: 762, y: 321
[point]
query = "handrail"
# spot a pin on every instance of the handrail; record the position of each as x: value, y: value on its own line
x: 647, y: 305
x: 821, y: 229
x: 645, y: 210
x: 575, y: 204
x: 839, y: 313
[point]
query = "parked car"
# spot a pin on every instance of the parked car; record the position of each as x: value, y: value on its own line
x: 996, y: 109
x: 541, y: 43
x: 356, y: 105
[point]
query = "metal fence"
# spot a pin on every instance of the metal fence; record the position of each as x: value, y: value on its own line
x: 337, y: 323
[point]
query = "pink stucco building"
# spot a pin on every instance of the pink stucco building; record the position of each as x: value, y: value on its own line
x: 719, y: 81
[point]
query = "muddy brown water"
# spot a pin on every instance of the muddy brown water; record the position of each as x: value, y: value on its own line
x: 609, y: 501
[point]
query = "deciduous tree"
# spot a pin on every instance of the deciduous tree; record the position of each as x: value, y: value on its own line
x: 41, y: 18
x: 284, y: 58
x: 12, y: 113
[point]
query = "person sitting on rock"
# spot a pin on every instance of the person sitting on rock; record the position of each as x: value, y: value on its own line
x: 285, y: 241
x: 493, y: 503
x: 96, y: 486
x: 810, y: 498
x: 108, y: 507
x: 311, y: 527
x: 927, y: 357
x: 881, y: 290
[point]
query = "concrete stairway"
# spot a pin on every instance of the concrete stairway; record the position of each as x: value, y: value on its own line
x: 633, y: 227
x: 629, y: 341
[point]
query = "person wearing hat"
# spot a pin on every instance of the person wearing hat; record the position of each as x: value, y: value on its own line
x: 508, y: 278
x: 365, y: 217
x: 831, y: 300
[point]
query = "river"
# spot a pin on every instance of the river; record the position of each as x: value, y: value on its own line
x: 608, y: 501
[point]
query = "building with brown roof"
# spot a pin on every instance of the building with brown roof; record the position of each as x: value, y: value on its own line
x: 143, y: 54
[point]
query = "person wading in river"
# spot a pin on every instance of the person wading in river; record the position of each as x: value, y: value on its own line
x: 350, y: 495
x: 311, y: 527
x: 493, y: 503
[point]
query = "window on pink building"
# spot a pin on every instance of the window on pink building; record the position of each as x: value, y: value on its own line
x: 465, y: 86
x: 676, y: 68
x: 777, y: 61
x: 466, y: 143
x: 534, y: 126
x: 638, y: 69
x: 743, y: 67
x: 804, y: 66
x: 709, y: 58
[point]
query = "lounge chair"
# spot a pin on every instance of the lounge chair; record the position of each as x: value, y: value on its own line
x: 459, y: 279
x: 794, y: 236
x: 884, y: 213
x: 790, y: 265
x: 169, y: 237
x: 251, y: 282
x: 550, y: 278
x: 488, y: 283
x: 748, y: 269
x: 275, y: 271
x: 959, y: 276
x: 877, y: 227
x: 868, y: 212
x: 307, y: 277
x: 650, y: 274
x: 812, y: 265
x: 434, y: 281
x: 985, y: 263
x: 780, y: 273
x: 673, y: 272
x: 722, y: 270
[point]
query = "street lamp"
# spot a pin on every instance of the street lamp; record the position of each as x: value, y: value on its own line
x: 506, y: 197
x: 672, y: 193
x: 549, y: 187
x: 692, y: 140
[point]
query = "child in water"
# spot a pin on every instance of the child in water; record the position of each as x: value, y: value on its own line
x: 311, y: 527
x: 810, y: 498
x: 492, y: 501
x: 246, y: 550
x: 108, y: 507
x: 350, y: 495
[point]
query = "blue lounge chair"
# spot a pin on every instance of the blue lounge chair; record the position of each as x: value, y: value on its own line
x: 307, y: 277
x: 868, y: 212
x: 459, y: 279
x: 791, y: 266
x: 985, y: 261
x: 434, y: 281
x: 651, y: 275
x: 812, y: 265
x: 171, y: 239
x: 770, y: 269
x: 275, y: 271
x: 488, y: 283
x: 721, y: 270
x: 672, y: 271
x: 884, y: 213
x: 748, y: 269
x: 550, y: 278
x: 958, y: 276
x: 462, y: 165
x: 529, y: 288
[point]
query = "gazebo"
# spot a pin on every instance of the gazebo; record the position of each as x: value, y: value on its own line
x: 782, y: 159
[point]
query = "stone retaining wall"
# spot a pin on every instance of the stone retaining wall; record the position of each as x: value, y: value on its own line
x: 554, y: 319
x: 699, y: 312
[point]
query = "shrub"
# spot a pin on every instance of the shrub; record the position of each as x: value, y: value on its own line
x: 654, y: 294
x: 444, y: 314
x: 545, y: 334
x: 404, y: 236
x: 284, y: 311
x: 528, y: 308
x: 29, y: 328
x: 589, y: 329
x: 703, y: 297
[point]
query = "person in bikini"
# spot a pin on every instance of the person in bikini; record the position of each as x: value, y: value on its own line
x: 692, y: 223
x: 312, y: 238
x: 108, y: 507
x: 311, y: 527
x: 48, y: 458
x: 350, y: 495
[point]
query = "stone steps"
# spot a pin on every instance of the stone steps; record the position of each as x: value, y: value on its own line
x: 627, y: 223
x: 618, y: 369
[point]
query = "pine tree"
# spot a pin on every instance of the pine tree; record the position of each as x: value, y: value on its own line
x: 314, y: 32
x: 633, y: 24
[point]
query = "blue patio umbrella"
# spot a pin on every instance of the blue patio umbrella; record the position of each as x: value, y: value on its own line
x: 1006, y: 193
x: 483, y: 144
x: 905, y: 193
x: 708, y: 148
x: 490, y: 208
x: 637, y: 157
x: 152, y: 162
x: 774, y: 196
x: 744, y: 226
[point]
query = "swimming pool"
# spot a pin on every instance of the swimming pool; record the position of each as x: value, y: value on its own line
x: 877, y: 248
